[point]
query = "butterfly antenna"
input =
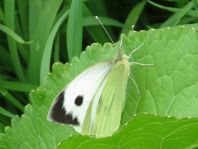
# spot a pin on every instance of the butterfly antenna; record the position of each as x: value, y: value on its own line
x: 136, y: 86
x: 105, y: 29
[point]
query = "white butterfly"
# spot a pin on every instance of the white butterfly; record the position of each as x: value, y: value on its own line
x: 94, y: 101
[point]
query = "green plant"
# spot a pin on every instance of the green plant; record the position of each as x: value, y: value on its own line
x: 32, y: 34
x: 163, y: 93
x: 36, y: 34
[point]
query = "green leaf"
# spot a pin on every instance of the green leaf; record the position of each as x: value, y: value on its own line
x: 98, y: 35
x: 12, y: 34
x: 45, y: 61
x: 23, y: 8
x: 5, y: 57
x: 163, y: 89
x: 1, y: 14
x: 176, y: 18
x: 90, y: 21
x: 195, y: 3
x: 74, y: 29
x: 167, y: 89
x: 143, y: 132
x: 9, y: 21
x: 2, y: 126
x: 12, y: 99
x: 133, y: 16
x: 42, y: 17
x: 193, y: 13
x: 179, y: 13
x: 16, y: 86
x: 5, y: 112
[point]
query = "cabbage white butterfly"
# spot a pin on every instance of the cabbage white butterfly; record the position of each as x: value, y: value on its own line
x: 93, y: 102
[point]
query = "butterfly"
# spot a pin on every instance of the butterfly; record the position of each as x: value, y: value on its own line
x: 93, y: 102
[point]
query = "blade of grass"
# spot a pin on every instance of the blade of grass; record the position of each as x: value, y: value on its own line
x: 17, y: 86
x: 22, y: 48
x: 23, y: 11
x: 6, y: 112
x: 175, y: 18
x: 9, y: 18
x: 74, y: 29
x: 2, y: 126
x: 5, y: 120
x: 100, y: 10
x: 186, y: 20
x: 1, y: 14
x: 180, y: 3
x: 56, y: 49
x: 133, y: 16
x: 195, y: 3
x: 12, y: 99
x: 91, y: 21
x: 12, y: 34
x: 5, y: 58
x: 21, y: 97
x: 45, y: 61
x: 45, y: 18
x: 97, y: 34
x: 193, y: 13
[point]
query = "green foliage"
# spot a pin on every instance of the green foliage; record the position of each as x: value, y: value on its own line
x: 133, y: 17
x: 163, y: 92
x: 143, y: 132
x: 31, y: 34
x: 74, y: 29
x: 35, y: 34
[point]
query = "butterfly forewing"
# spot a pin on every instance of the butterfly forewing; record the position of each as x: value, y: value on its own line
x: 71, y: 105
x: 111, y: 103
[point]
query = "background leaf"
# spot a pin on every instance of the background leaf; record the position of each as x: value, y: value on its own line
x: 40, y: 13
x: 45, y: 62
x: 133, y: 16
x: 12, y: 34
x: 176, y: 18
x: 74, y: 29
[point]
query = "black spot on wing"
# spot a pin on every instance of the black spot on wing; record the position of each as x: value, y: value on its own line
x: 79, y: 100
x: 58, y: 113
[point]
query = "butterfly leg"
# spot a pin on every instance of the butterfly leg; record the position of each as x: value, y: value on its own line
x: 135, y: 50
x: 141, y: 64
x: 136, y: 86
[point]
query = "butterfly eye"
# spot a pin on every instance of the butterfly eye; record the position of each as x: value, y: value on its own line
x: 79, y: 100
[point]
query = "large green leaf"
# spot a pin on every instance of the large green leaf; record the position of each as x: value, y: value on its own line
x: 144, y: 132
x: 170, y: 87
x: 167, y: 89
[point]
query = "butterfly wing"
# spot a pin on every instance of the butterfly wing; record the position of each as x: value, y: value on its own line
x: 110, y: 105
x: 71, y: 105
